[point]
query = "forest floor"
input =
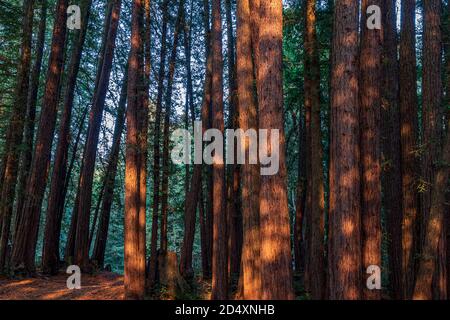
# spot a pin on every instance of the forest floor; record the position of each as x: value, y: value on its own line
x: 100, y: 286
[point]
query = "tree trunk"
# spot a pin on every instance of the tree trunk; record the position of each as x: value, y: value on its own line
x: 316, y: 267
x: 250, y: 259
x: 408, y: 135
x: 98, y: 255
x: 95, y: 119
x: 135, y: 169
x: 370, y: 100
x: 55, y: 202
x: 434, y: 224
x: 391, y: 148
x: 27, y: 152
x: 15, y: 132
x: 156, y: 148
x: 276, y: 259
x: 432, y: 92
x: 344, y: 240
x: 165, y: 156
x: 219, y: 254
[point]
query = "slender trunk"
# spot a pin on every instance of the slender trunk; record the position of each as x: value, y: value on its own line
x: 219, y: 252
x: 408, y: 135
x: 55, y: 202
x: 95, y: 119
x: 391, y: 148
x: 98, y: 255
x: 15, y: 132
x: 24, y: 250
x: 276, y: 259
x: 344, y: 239
x: 247, y: 119
x: 165, y: 155
x: 370, y: 100
x: 135, y: 169
x: 316, y: 263
x: 156, y: 148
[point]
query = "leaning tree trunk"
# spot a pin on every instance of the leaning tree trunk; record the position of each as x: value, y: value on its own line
x: 95, y: 119
x: 15, y: 132
x: 276, y: 266
x: 219, y: 252
x: 370, y: 100
x: 55, y: 202
x: 24, y: 248
x: 344, y: 240
x: 135, y: 168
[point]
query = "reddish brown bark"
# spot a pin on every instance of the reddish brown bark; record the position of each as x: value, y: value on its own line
x: 135, y: 168
x: 315, y: 268
x: 408, y: 134
x: 95, y: 118
x: 219, y: 251
x: 250, y: 281
x: 15, y: 132
x: 24, y: 249
x: 344, y: 239
x: 276, y: 259
x: 55, y: 202
x: 370, y: 103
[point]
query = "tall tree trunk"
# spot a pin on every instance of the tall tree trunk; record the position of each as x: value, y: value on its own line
x: 98, y: 255
x: 95, y: 119
x: 251, y: 264
x: 434, y: 224
x: 24, y: 248
x: 156, y: 148
x: 276, y: 259
x: 370, y: 100
x: 15, y: 132
x: 391, y: 148
x: 219, y: 254
x: 168, y: 102
x: 55, y: 202
x: 27, y: 152
x: 408, y: 135
x: 432, y: 94
x: 135, y: 169
x: 344, y: 239
x: 316, y: 266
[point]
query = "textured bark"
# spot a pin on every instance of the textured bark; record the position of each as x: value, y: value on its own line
x: 219, y: 252
x: 55, y: 202
x: 276, y: 260
x: 344, y: 239
x: 95, y: 119
x: 431, y: 105
x: 156, y: 148
x: 15, y: 132
x: 391, y: 148
x: 98, y: 255
x: 408, y: 135
x: 250, y: 260
x: 168, y: 107
x: 434, y: 224
x: 28, y: 139
x: 135, y: 168
x: 24, y: 249
x: 370, y: 103
x: 315, y: 271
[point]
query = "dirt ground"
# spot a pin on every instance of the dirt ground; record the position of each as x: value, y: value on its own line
x: 101, y: 286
